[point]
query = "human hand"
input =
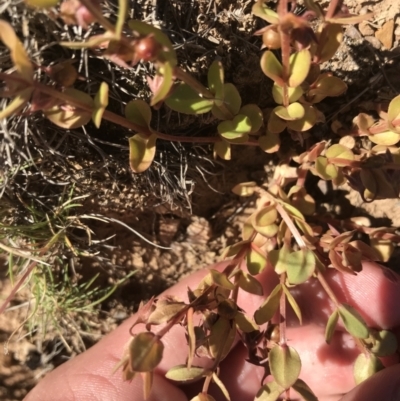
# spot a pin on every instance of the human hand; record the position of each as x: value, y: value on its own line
x: 327, y: 369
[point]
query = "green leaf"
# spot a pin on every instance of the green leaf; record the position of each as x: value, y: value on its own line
x: 324, y: 169
x: 42, y: 3
x: 269, y: 307
x: 300, y: 266
x: 181, y: 373
x: 270, y: 142
x: 385, y: 343
x: 306, y: 122
x: 256, y: 260
x: 221, y: 280
x: 164, y: 71
x: 245, y: 188
x: 294, y: 111
x: 236, y: 130
x: 232, y: 102
x: 330, y: 36
x: 142, y: 150
x: 71, y: 117
x: 261, y: 10
x: 326, y: 85
x: 353, y: 322
x: 254, y: 113
x: 221, y: 339
x: 285, y: 365
x: 17, y: 104
x: 339, y: 152
x: 293, y: 303
x: 305, y: 392
x: 250, y: 284
x: 18, y: 54
x: 365, y: 366
x: 299, y: 66
x: 100, y: 104
x: 221, y: 386
x: 138, y: 112
x: 216, y: 81
x: 331, y: 326
x: 387, y: 138
x: 265, y: 216
x: 145, y: 351
x: 223, y: 150
x: 275, y: 124
x: 186, y: 100
x: 245, y: 323
x: 272, y: 68
x: 278, y: 259
x: 269, y: 392
x: 294, y: 93
x: 394, y: 112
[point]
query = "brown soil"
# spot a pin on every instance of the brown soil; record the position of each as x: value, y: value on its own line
x: 195, y: 235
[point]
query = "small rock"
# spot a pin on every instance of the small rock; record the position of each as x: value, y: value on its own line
x: 385, y: 34
x: 374, y: 42
x: 365, y: 28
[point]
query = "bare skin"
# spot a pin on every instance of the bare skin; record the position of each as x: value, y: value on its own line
x: 326, y: 369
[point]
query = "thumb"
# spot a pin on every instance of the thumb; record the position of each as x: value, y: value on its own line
x: 384, y: 385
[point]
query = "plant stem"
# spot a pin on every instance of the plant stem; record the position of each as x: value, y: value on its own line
x: 282, y: 312
x: 285, y: 50
x: 332, y: 8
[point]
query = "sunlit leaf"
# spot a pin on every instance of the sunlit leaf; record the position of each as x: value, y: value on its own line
x: 294, y: 111
x: 245, y: 188
x: 18, y: 54
x: 353, y: 322
x: 383, y: 247
x: 272, y: 68
x: 221, y: 280
x: 269, y: 392
x: 387, y: 138
x: 299, y: 66
x: 269, y: 307
x: 181, y: 373
x: 100, y: 104
x: 278, y: 259
x: 216, y: 81
x: 254, y: 113
x: 146, y: 351
x: 293, y: 303
x: 17, y: 104
x: 301, y: 266
x: 186, y: 100
x: 142, y: 150
x: 365, y: 366
x: 71, y: 116
x: 331, y: 326
x: 326, y: 85
x: 166, y: 73
x: 270, y: 142
x: 394, y: 112
x: 245, y: 323
x: 330, y: 36
x: 324, y: 169
x: 42, y: 3
x: 306, y: 122
x: 236, y: 130
x: 339, y: 152
x: 223, y: 150
x: 261, y: 10
x: 293, y: 93
x: 138, y: 112
x: 285, y: 365
x: 256, y: 260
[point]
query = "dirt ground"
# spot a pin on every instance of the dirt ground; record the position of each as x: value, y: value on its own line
x: 187, y: 208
